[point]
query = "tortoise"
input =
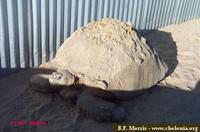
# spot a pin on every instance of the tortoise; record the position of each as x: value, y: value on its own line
x: 101, y: 62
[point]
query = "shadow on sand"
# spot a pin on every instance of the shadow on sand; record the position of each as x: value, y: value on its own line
x: 162, y: 104
x: 164, y: 45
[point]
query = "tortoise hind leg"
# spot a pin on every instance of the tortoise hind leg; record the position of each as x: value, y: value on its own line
x: 99, y: 109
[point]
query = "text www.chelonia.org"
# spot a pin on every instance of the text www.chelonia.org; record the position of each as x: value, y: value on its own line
x: 178, y: 128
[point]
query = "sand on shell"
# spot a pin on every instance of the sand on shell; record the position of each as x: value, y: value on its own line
x: 110, y: 55
x: 173, y: 100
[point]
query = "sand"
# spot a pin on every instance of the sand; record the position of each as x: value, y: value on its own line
x: 174, y: 100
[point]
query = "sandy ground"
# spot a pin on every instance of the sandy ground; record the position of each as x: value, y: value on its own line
x: 173, y: 100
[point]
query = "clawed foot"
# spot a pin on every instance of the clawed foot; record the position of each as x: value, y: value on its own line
x: 63, y: 83
x: 70, y: 94
x: 99, y: 109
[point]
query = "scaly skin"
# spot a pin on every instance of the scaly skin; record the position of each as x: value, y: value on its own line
x: 62, y: 78
x: 100, y: 109
x: 40, y: 83
x: 90, y: 100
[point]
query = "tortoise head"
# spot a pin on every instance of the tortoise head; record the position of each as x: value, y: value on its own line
x: 62, y: 78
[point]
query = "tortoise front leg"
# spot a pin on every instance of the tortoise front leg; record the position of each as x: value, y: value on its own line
x: 100, y: 109
x: 40, y: 83
x: 70, y: 94
x: 52, y: 82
